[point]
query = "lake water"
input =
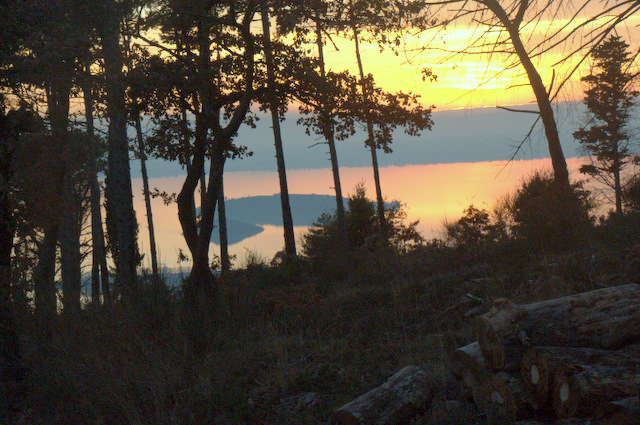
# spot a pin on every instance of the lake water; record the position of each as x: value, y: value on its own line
x: 431, y: 193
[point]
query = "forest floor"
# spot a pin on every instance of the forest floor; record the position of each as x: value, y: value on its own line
x: 285, y: 345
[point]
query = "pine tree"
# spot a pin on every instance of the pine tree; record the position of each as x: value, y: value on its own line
x: 609, y: 99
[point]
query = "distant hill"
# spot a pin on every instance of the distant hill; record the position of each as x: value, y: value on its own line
x: 305, y: 209
x: 237, y: 231
x: 246, y: 215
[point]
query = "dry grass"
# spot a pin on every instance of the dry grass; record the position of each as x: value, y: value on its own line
x: 277, y: 334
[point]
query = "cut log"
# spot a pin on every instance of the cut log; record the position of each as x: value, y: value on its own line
x: 583, y: 379
x: 469, y: 358
x: 536, y: 375
x: 605, y: 318
x: 620, y: 412
x: 504, y: 399
x: 468, y: 365
x: 540, y: 364
x: 394, y: 402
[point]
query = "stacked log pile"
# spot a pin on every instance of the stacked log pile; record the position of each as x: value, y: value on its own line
x: 568, y: 357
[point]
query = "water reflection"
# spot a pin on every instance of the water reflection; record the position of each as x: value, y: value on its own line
x: 431, y: 193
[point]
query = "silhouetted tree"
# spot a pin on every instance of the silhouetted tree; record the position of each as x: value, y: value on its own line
x: 274, y: 108
x: 499, y: 31
x: 609, y: 99
x: 99, y: 269
x: 121, y: 219
x: 12, y: 125
x: 301, y: 18
x: 379, y: 19
x: 220, y: 95
x: 137, y: 101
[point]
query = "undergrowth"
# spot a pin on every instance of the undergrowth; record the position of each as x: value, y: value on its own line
x: 289, y: 341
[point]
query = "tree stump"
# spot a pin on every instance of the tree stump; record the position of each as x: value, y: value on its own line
x: 605, y: 318
x: 393, y: 403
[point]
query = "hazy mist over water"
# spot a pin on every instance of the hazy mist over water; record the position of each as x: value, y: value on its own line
x: 466, y: 135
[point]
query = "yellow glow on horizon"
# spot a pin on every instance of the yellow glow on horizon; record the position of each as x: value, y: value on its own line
x: 473, y: 80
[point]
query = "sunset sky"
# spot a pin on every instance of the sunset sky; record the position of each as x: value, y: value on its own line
x: 462, y: 161
x: 466, y: 81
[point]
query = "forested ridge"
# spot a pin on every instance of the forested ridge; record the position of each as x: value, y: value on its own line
x: 362, y: 296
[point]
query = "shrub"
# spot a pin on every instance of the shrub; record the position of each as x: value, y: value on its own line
x: 547, y: 216
x: 327, y: 254
x: 632, y: 196
x: 474, y: 230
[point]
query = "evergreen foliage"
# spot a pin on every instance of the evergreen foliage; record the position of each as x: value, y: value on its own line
x: 547, y: 217
x: 610, y: 98
x: 364, y: 233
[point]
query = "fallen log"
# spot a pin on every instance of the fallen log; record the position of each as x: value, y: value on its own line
x: 582, y: 379
x: 619, y: 412
x: 468, y: 365
x: 536, y: 375
x: 393, y: 403
x: 605, y: 318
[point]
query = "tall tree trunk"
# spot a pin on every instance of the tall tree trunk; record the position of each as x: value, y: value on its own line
x: 70, y: 257
x: 200, y: 285
x: 371, y: 142
x: 44, y: 277
x: 560, y: 171
x: 10, y: 355
x: 45, y: 285
x: 201, y: 270
x: 64, y: 206
x: 99, y: 269
x: 225, y: 263
x: 118, y: 192
x: 328, y: 134
x: 287, y: 220
x: 142, y: 155
x: 616, y: 180
x: 185, y: 200
x: 70, y: 232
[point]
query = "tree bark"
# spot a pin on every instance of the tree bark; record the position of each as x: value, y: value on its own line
x: 63, y: 205
x: 99, y: 271
x: 469, y: 365
x: 328, y: 134
x: 583, y: 379
x: 10, y: 355
x: 393, y: 403
x: 617, y: 185
x: 604, y: 318
x: 44, y: 283
x: 70, y: 230
x: 619, y: 412
x: 142, y: 155
x: 287, y: 220
x: 225, y: 262
x: 540, y: 364
x: 370, y: 142
x: 118, y: 191
x: 560, y: 171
